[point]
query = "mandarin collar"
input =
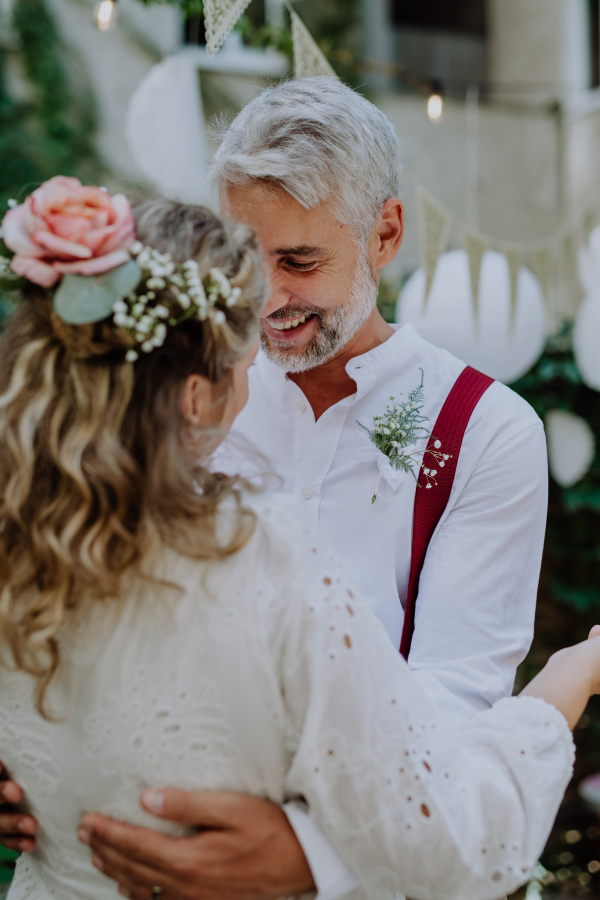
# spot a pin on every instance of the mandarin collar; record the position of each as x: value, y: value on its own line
x: 380, y: 357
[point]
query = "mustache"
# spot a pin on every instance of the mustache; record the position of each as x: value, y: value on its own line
x: 295, y: 312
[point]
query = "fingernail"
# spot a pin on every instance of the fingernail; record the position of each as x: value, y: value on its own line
x: 11, y: 793
x: 84, y: 836
x: 26, y: 846
x: 124, y: 891
x: 27, y: 826
x: 154, y: 801
x: 96, y: 861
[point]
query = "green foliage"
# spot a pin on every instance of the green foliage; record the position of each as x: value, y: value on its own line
x: 50, y: 132
x: 571, y: 569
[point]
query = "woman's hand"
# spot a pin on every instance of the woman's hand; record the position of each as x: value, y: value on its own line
x: 17, y: 830
x: 570, y: 677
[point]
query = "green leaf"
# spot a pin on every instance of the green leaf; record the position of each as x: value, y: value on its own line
x: 4, y: 250
x: 81, y: 299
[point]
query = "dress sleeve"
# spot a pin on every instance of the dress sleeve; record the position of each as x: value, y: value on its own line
x: 411, y: 804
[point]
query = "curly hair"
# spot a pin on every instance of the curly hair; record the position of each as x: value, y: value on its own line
x: 95, y: 461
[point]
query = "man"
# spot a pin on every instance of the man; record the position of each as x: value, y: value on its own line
x: 313, y: 167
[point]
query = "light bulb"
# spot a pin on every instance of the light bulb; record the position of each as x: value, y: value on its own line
x: 105, y: 14
x: 435, y: 106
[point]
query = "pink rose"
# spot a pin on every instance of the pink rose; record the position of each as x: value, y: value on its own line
x: 65, y: 226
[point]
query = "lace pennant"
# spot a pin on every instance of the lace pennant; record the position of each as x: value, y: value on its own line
x: 539, y: 263
x: 475, y: 245
x: 512, y: 252
x: 308, y: 57
x: 434, y: 220
x: 219, y: 17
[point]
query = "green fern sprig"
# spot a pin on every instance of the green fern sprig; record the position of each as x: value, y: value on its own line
x: 401, y: 426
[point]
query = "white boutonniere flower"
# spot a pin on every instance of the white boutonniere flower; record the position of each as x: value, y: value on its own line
x: 394, y: 433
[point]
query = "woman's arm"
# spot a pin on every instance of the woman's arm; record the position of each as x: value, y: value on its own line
x: 412, y: 804
x: 569, y: 678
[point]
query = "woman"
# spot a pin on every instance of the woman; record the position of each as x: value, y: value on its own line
x: 165, y: 625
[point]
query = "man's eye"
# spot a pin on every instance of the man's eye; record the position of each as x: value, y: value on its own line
x: 299, y: 266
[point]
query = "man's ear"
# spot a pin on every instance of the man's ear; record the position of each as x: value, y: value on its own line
x: 196, y: 399
x: 389, y: 232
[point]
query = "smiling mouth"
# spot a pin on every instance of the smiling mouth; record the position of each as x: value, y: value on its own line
x: 291, y: 323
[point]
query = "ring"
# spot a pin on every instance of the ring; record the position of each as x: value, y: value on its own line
x: 157, y: 892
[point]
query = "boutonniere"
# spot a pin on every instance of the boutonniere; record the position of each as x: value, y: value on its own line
x: 395, y: 432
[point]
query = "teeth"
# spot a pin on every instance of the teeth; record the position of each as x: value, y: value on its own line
x: 284, y: 326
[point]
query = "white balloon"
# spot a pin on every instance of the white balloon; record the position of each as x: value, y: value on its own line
x: 571, y: 446
x: 494, y: 344
x: 166, y: 132
x: 586, y: 329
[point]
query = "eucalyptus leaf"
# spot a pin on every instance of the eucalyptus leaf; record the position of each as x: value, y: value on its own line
x: 83, y: 299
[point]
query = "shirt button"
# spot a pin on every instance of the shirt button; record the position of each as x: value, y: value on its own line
x: 307, y: 493
x: 302, y: 406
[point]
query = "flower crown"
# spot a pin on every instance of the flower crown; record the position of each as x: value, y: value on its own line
x: 83, y: 241
x: 184, y: 295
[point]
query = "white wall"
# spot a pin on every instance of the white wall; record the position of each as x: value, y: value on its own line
x: 538, y: 50
x: 519, y: 156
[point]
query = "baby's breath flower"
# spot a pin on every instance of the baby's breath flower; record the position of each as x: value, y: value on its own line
x: 179, y: 291
x: 401, y: 427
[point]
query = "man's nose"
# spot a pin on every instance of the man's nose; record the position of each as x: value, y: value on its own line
x: 279, y: 296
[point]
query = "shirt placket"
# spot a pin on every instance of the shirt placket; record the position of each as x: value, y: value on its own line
x: 317, y: 443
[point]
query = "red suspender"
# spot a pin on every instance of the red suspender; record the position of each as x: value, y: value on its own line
x: 430, y: 504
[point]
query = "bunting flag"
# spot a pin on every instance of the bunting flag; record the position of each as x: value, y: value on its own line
x: 309, y: 59
x: 513, y: 254
x: 219, y: 18
x: 539, y: 263
x: 434, y: 225
x: 476, y: 246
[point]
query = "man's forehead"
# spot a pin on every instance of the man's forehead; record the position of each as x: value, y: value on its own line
x: 282, y: 224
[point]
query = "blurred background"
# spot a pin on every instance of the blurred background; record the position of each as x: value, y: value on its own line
x: 497, y: 105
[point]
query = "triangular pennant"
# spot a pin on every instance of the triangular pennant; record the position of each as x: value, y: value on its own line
x: 539, y: 263
x: 309, y: 59
x: 219, y: 18
x: 475, y: 245
x: 434, y: 221
x: 589, y: 221
x: 571, y: 285
x: 512, y: 252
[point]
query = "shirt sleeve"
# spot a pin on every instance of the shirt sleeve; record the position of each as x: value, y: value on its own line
x: 475, y: 608
x: 389, y: 782
x: 332, y: 877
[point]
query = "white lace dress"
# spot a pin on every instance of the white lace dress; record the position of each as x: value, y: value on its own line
x: 269, y: 674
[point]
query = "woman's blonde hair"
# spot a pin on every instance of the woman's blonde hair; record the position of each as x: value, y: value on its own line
x: 93, y: 467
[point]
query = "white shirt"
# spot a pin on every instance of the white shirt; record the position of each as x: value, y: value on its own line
x: 267, y: 673
x: 476, y: 602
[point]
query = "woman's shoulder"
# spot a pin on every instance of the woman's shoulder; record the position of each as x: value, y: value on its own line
x: 284, y: 525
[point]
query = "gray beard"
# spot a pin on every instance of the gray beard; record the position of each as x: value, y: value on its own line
x: 336, y: 326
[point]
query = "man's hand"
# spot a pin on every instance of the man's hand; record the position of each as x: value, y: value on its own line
x: 17, y: 830
x: 246, y: 849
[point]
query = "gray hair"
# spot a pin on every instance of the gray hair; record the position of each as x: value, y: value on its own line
x: 318, y: 140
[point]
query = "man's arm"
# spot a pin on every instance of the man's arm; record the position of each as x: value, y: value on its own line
x: 477, y: 592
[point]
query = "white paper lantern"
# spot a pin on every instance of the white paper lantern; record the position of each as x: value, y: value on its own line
x: 494, y: 345
x: 571, y: 446
x: 586, y: 329
x: 166, y: 131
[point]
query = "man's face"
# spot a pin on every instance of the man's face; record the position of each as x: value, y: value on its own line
x: 322, y: 286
